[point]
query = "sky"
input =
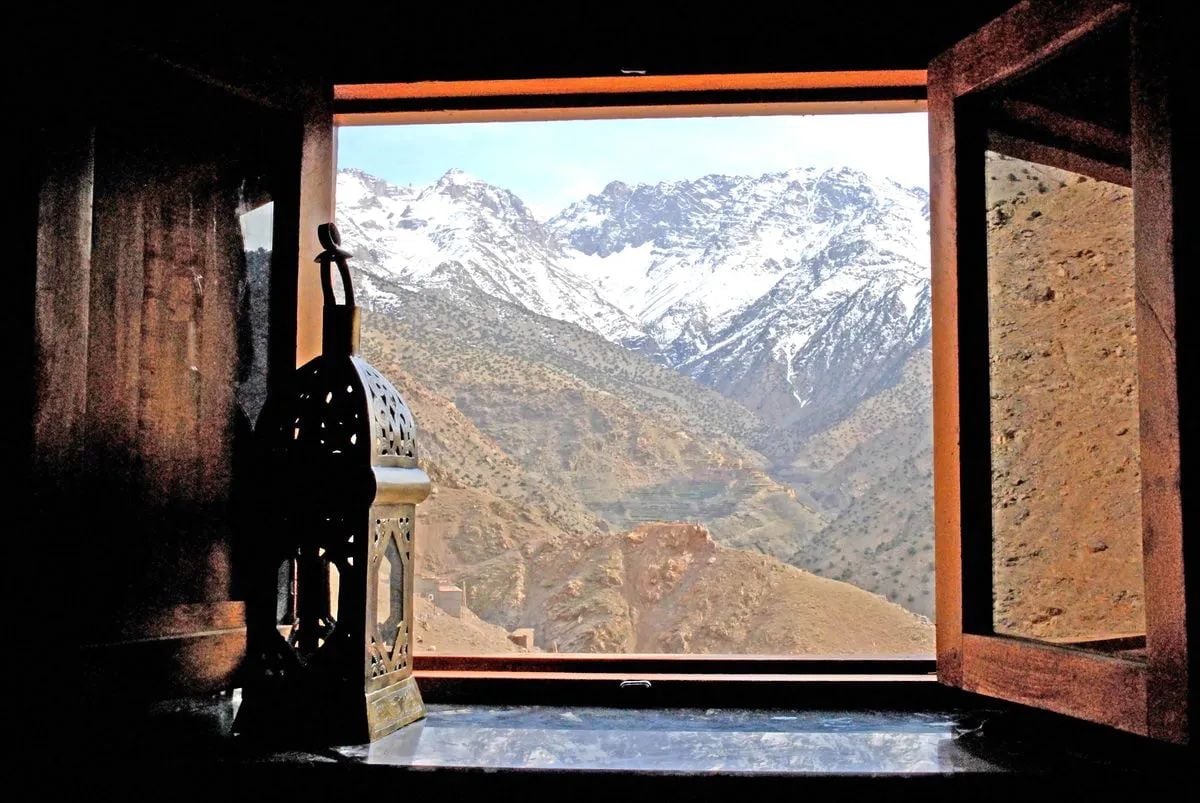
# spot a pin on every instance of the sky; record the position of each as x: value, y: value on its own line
x: 551, y: 164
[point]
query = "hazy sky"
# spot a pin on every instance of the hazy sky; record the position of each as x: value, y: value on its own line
x: 550, y: 164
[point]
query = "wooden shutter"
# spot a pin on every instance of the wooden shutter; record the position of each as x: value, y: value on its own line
x: 1015, y: 89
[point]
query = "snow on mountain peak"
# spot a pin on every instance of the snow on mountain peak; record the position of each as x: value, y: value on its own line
x: 457, y: 176
x: 462, y: 233
x: 709, y: 274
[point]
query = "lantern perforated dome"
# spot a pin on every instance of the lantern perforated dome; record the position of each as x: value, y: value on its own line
x: 340, y: 408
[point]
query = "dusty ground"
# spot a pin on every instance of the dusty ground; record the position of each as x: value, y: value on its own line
x: 1066, y: 481
x: 437, y: 631
x: 528, y: 553
x: 669, y: 588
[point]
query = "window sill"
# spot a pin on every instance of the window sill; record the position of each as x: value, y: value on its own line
x: 955, y: 746
x: 672, y: 689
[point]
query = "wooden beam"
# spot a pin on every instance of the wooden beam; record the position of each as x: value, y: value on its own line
x: 630, y: 85
x: 633, y: 663
x: 1063, y: 126
x: 1020, y: 39
x: 628, y: 111
x: 115, y: 318
x: 943, y: 218
x: 693, y: 677
x: 1062, y: 158
x: 1100, y: 688
x: 851, y: 692
x: 62, y: 294
x: 318, y: 185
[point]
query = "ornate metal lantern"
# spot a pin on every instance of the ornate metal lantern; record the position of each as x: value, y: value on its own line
x: 329, y: 629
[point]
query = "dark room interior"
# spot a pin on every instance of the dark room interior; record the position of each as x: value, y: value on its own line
x: 150, y: 491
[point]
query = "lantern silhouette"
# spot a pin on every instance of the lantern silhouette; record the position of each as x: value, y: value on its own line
x: 329, y: 612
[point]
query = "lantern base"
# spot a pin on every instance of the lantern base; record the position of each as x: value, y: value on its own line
x: 393, y: 707
x: 289, y: 716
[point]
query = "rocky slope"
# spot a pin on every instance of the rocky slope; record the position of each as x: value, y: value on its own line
x: 871, y: 475
x: 622, y: 442
x: 439, y: 632
x: 1066, y: 479
x: 530, y: 553
x: 671, y: 588
x: 629, y: 440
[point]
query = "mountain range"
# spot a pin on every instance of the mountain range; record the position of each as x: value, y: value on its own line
x: 796, y: 294
x: 746, y: 352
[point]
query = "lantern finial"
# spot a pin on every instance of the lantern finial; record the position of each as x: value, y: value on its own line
x: 340, y: 323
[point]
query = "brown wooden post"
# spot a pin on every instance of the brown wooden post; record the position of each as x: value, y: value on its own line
x: 63, y: 287
x: 318, y: 181
x: 1161, y: 234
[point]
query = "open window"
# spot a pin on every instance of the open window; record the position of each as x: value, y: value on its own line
x: 676, y: 410
x: 1059, y: 526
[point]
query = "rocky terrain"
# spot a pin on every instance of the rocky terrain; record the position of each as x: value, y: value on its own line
x: 1066, y: 481
x: 529, y: 553
x: 465, y: 634
x: 671, y: 588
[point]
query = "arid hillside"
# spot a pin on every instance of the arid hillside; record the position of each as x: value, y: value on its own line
x: 871, y: 476
x: 665, y: 588
x: 528, y: 552
x: 592, y: 426
x: 748, y: 353
x: 1065, y: 468
x: 602, y: 434
x: 671, y: 588
x: 466, y: 634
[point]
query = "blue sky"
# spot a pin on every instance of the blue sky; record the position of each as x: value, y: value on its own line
x: 551, y: 164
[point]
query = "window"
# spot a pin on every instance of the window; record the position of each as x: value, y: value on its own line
x: 1112, y: 680
x: 671, y: 377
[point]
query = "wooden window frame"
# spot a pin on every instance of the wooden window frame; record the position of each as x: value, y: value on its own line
x: 1147, y: 697
x: 600, y: 98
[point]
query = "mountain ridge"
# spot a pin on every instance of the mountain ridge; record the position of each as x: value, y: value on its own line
x: 723, y: 278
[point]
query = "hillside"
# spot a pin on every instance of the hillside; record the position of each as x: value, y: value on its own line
x: 637, y: 448
x: 871, y: 474
x: 437, y: 631
x: 1064, y: 404
x: 590, y: 421
x: 529, y: 554
x: 671, y: 588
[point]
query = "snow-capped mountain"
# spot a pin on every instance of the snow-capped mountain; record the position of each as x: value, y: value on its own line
x: 462, y: 232
x: 714, y: 245
x: 796, y: 293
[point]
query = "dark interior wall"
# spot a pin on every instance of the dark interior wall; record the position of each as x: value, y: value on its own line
x: 143, y: 349
x: 169, y: 338
x: 265, y: 49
